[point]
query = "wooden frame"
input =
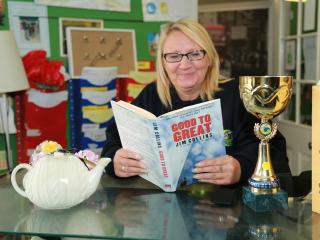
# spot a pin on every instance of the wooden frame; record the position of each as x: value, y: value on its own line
x: 101, y: 48
x: 64, y: 23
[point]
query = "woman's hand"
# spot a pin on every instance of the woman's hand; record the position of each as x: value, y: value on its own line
x: 127, y: 163
x: 223, y: 170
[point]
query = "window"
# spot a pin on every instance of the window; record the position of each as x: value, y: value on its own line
x: 300, y: 55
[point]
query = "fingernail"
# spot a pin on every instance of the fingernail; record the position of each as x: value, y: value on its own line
x: 199, y: 164
x: 143, y: 166
x: 196, y: 176
x: 195, y: 170
x: 137, y: 156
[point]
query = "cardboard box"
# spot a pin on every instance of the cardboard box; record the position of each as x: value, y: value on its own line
x: 316, y: 149
x: 315, y: 226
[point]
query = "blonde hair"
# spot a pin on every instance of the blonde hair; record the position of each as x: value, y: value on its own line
x: 200, y: 36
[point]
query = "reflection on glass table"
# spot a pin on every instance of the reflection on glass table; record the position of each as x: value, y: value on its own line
x: 140, y: 211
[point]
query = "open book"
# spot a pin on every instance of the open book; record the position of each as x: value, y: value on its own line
x: 171, y: 144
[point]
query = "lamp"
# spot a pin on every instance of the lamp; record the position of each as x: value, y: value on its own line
x: 12, y: 79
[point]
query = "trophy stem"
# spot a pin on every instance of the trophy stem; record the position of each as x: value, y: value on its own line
x: 264, y: 180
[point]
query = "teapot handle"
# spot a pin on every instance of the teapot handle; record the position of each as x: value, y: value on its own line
x: 13, y: 178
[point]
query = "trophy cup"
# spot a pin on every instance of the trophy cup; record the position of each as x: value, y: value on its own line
x: 265, y: 97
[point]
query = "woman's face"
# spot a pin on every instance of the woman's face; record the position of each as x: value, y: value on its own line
x: 186, y: 76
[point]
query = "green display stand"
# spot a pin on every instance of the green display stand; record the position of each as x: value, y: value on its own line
x: 265, y: 202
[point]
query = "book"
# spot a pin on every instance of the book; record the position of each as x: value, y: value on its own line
x: 171, y: 144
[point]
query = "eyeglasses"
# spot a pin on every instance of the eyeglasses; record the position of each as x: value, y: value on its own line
x: 177, y: 57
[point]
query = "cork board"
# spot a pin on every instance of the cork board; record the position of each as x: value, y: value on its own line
x: 101, y: 48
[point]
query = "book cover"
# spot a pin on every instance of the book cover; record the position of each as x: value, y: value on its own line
x: 171, y: 144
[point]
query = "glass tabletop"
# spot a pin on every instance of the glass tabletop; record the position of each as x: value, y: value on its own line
x: 135, y: 209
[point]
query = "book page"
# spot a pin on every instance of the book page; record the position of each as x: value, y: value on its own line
x: 136, y: 135
x: 136, y: 109
x: 184, y: 109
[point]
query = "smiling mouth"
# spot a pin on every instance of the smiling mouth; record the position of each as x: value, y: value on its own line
x: 185, y: 74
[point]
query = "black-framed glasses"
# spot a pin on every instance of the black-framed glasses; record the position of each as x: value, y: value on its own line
x: 177, y: 57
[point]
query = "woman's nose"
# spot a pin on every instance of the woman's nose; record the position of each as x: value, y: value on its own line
x: 185, y: 62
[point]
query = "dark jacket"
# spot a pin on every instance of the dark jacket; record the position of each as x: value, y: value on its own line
x: 242, y: 143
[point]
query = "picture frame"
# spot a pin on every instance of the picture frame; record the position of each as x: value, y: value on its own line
x: 101, y: 48
x: 29, y: 23
x: 64, y: 23
x: 309, y: 18
x: 290, y: 55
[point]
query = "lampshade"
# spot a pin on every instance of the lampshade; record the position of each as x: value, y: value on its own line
x: 12, y: 74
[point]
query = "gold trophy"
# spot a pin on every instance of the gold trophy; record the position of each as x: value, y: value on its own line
x: 265, y: 97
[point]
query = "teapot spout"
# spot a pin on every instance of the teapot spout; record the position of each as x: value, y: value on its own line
x: 95, y: 174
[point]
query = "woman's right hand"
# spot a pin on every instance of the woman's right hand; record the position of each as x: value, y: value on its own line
x: 128, y: 163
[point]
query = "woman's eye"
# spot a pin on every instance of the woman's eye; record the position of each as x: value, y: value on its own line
x: 175, y: 56
x: 195, y: 54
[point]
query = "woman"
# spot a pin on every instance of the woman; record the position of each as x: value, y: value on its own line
x: 188, y: 73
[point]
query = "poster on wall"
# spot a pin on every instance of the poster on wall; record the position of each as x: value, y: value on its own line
x: 309, y: 16
x: 309, y: 46
x: 64, y: 23
x: 169, y: 10
x: 29, y: 22
x: 110, y: 5
x: 217, y: 32
x: 290, y: 55
x: 153, y: 41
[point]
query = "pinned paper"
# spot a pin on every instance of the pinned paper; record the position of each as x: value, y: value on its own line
x: 134, y: 89
x: 96, y: 135
x: 97, y: 114
x: 98, y: 97
x: 99, y: 75
x: 46, y: 100
x: 143, y: 77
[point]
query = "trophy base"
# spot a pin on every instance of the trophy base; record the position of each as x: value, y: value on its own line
x: 265, y: 202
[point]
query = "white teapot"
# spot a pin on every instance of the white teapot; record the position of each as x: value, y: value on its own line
x: 59, y: 180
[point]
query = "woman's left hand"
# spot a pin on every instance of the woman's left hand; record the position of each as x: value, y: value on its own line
x: 223, y: 170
